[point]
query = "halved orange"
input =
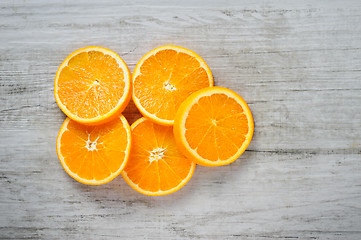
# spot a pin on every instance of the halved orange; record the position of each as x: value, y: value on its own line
x: 94, y: 154
x: 213, y: 126
x: 155, y: 165
x: 164, y: 78
x: 92, y: 86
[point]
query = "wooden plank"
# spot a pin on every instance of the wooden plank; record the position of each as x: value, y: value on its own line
x: 298, y: 65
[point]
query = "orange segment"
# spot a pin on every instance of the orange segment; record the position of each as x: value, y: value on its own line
x: 94, y: 154
x: 155, y: 165
x: 164, y: 78
x: 92, y: 85
x: 213, y: 126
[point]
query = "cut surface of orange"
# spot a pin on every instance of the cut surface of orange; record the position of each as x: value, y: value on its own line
x: 213, y: 126
x: 94, y: 154
x: 164, y: 78
x: 93, y: 85
x: 155, y: 165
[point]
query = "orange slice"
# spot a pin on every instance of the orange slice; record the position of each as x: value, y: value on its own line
x: 155, y: 165
x: 164, y: 78
x: 94, y: 154
x: 92, y: 85
x: 213, y: 127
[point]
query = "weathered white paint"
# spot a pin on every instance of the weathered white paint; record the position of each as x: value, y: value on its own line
x: 297, y: 64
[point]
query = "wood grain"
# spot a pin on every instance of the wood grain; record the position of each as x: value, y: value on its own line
x: 297, y: 64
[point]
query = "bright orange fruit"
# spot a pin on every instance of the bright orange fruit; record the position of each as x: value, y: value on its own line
x: 164, y: 78
x: 94, y: 154
x: 213, y: 126
x: 155, y: 165
x: 92, y: 85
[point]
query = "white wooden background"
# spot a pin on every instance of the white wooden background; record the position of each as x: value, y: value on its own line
x: 297, y: 64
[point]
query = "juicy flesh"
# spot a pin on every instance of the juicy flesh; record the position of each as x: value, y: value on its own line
x: 216, y: 127
x: 91, y: 84
x: 94, y: 153
x: 166, y: 79
x: 155, y: 164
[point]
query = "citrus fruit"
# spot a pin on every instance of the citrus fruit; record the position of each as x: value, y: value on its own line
x: 94, y: 154
x: 213, y: 126
x: 92, y: 85
x: 164, y: 78
x: 155, y: 165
